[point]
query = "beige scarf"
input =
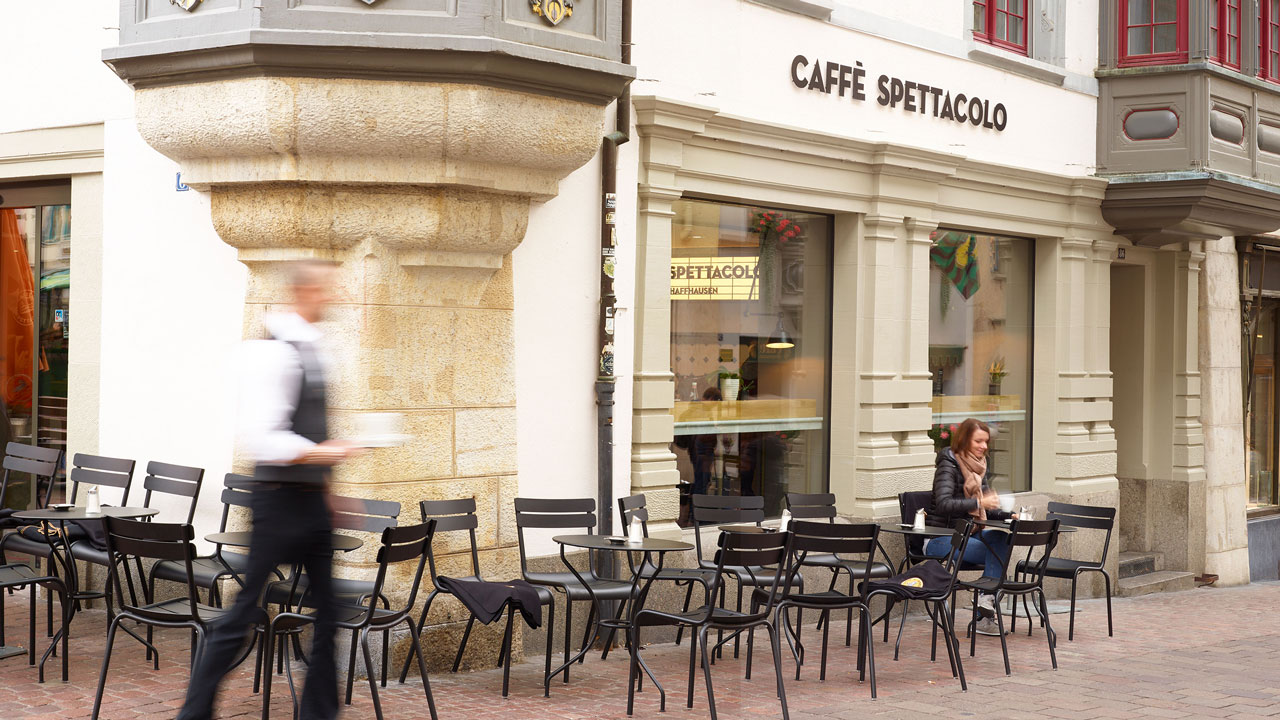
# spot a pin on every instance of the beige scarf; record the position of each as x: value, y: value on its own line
x: 974, y: 469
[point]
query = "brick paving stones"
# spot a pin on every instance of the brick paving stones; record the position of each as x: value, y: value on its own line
x: 1195, y: 654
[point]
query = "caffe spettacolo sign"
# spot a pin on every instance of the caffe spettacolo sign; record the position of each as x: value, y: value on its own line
x: 853, y: 82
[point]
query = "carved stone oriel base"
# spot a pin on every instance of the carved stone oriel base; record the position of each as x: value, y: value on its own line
x: 420, y: 191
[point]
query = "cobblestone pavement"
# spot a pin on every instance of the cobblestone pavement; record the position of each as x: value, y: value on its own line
x: 1200, y: 653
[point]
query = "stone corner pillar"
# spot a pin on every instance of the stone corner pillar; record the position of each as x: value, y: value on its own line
x: 405, y: 144
x: 1226, y: 545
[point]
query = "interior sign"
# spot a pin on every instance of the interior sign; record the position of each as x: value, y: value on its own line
x: 715, y: 278
x: 912, y: 96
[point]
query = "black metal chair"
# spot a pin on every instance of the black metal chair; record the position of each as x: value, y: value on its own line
x: 1032, y: 535
x: 161, y: 479
x: 937, y: 601
x: 33, y: 543
x: 822, y: 506
x: 35, y: 461
x: 567, y: 514
x: 131, y: 540
x: 635, y: 506
x: 456, y: 516
x: 92, y: 469
x: 399, y: 545
x: 223, y: 563
x: 810, y: 539
x: 732, y: 510
x: 15, y: 577
x: 736, y: 550
x: 1087, y: 517
x: 358, y: 515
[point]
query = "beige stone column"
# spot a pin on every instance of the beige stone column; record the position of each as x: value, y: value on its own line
x: 894, y: 453
x: 663, y: 127
x: 1226, y: 494
x: 1185, y: 494
x: 420, y: 191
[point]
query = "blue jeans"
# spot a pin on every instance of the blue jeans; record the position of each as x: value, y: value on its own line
x: 983, y: 549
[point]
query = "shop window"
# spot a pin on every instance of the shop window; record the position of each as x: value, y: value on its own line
x: 35, y: 295
x: 1154, y: 32
x: 750, y: 341
x: 1269, y: 40
x: 980, y: 320
x: 1224, y: 32
x: 1260, y: 353
x: 1002, y: 23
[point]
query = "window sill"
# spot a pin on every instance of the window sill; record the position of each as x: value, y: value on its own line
x: 820, y: 9
x: 1017, y: 64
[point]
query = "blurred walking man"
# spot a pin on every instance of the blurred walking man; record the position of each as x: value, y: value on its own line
x: 283, y: 427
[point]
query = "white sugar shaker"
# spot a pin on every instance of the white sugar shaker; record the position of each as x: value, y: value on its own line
x: 635, y: 533
x: 92, y: 504
x: 919, y: 523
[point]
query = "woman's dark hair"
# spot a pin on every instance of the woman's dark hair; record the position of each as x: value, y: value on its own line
x: 712, y: 394
x: 963, y: 434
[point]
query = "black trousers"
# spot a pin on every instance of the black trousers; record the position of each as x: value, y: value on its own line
x: 289, y: 526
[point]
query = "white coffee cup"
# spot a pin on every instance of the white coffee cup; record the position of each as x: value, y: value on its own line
x: 1006, y: 503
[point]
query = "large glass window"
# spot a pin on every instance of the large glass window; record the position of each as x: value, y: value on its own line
x: 1269, y: 39
x: 980, y: 315
x: 1260, y: 354
x: 750, y: 339
x: 35, y: 294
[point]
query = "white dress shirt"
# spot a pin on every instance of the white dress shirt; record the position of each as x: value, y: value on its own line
x: 271, y: 378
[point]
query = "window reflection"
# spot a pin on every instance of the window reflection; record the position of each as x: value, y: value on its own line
x: 750, y: 323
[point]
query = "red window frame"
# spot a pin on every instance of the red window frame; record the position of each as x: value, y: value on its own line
x: 990, y: 12
x: 1220, y: 31
x: 1268, y: 51
x: 1179, y: 55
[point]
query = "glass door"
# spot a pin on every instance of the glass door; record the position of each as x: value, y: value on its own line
x: 35, y: 292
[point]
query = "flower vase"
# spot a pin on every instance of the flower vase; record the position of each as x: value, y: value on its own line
x: 993, y: 389
x: 729, y: 389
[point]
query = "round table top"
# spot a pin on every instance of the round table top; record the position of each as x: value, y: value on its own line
x: 615, y: 542
x: 746, y: 529
x: 341, y: 543
x: 79, y: 513
x: 904, y: 529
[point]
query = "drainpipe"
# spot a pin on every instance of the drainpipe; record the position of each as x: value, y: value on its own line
x: 608, y: 300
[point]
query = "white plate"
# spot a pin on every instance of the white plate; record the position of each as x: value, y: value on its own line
x: 383, y: 441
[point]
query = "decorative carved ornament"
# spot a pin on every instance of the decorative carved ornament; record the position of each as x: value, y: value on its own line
x: 553, y: 11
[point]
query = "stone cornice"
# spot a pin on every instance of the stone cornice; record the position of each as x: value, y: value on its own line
x: 278, y: 53
x: 49, y: 152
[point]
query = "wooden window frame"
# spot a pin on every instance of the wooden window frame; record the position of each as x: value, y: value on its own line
x: 990, y: 12
x: 1165, y: 58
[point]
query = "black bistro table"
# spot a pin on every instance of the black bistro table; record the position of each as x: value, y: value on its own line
x: 341, y: 543
x: 650, y: 547
x: 60, y: 553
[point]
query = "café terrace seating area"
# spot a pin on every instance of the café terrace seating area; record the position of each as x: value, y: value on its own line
x: 756, y: 608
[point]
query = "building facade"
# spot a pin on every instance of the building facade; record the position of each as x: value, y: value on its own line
x: 840, y: 227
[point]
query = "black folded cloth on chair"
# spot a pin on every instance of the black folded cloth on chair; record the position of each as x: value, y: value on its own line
x: 486, y: 600
x: 927, y: 578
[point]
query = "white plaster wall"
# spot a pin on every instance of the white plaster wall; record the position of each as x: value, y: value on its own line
x: 1082, y: 38
x: 941, y: 16
x: 172, y: 299
x: 744, y: 69
x: 52, y: 51
x: 557, y: 297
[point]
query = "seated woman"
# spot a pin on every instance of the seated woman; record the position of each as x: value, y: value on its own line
x: 961, y: 489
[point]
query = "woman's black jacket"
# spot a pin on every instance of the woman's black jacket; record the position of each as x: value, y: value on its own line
x: 949, y: 502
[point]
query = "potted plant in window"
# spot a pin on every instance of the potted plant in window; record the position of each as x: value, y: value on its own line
x: 996, y: 372
x: 773, y: 230
x: 730, y: 383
